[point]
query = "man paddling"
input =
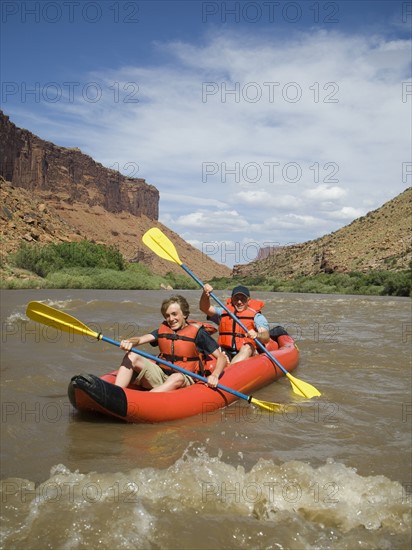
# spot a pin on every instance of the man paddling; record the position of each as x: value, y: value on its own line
x: 234, y: 341
x: 180, y: 342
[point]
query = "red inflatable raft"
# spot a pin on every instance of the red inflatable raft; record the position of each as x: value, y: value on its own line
x: 90, y: 393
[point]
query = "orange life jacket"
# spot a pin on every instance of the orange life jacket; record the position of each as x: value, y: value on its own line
x: 179, y: 347
x: 211, y: 329
x: 231, y: 335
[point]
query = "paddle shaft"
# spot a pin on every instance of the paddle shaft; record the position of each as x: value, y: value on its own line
x: 176, y: 367
x: 238, y: 321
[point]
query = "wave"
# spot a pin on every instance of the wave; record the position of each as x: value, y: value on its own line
x: 67, y: 305
x: 19, y: 316
x: 141, y: 506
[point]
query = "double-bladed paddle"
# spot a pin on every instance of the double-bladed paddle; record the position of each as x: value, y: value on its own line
x: 163, y: 247
x: 47, y: 315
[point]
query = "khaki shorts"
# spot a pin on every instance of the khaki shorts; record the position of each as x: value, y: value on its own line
x: 152, y: 375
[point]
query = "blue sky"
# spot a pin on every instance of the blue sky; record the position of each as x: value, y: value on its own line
x: 261, y: 123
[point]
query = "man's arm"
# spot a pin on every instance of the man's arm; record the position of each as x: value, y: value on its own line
x: 204, y: 303
x: 213, y: 379
x: 262, y: 328
x: 208, y: 345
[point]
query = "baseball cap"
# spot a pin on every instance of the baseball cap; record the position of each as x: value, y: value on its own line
x: 241, y: 290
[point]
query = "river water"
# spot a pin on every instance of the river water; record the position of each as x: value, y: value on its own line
x: 331, y: 472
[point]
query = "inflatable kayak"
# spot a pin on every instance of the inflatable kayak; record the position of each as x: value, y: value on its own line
x: 91, y: 393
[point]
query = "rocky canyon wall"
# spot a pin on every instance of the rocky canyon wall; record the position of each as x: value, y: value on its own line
x: 66, y: 174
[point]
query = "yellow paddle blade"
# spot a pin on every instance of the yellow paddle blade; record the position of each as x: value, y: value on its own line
x: 266, y: 405
x: 303, y: 388
x: 54, y: 318
x: 161, y: 245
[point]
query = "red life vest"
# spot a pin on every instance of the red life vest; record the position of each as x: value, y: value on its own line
x: 231, y: 335
x: 179, y: 347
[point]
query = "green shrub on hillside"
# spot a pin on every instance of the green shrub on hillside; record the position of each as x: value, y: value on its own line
x: 400, y: 284
x: 43, y: 260
x: 97, y: 278
x: 38, y: 260
x: 136, y: 276
x: 180, y: 281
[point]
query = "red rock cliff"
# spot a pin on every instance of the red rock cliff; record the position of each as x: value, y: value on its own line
x: 67, y: 174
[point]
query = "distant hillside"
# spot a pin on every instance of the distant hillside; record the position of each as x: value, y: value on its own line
x: 381, y: 240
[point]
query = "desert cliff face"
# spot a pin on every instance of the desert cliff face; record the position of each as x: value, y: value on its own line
x: 66, y: 174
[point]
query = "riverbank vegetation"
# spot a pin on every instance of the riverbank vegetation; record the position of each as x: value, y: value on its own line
x: 81, y: 265
x: 86, y: 264
x: 382, y: 283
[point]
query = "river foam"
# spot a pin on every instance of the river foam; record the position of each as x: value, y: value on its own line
x: 332, y: 500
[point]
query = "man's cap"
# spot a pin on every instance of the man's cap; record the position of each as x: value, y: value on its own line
x: 241, y: 290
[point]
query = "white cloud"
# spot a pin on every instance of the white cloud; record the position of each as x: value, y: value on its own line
x: 323, y: 192
x: 347, y: 213
x: 229, y: 220
x: 191, y: 200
